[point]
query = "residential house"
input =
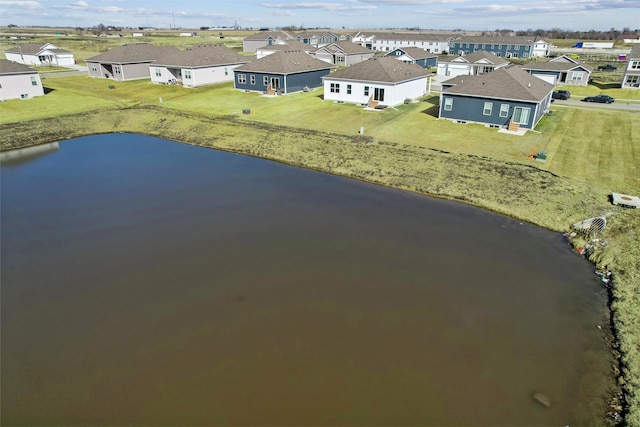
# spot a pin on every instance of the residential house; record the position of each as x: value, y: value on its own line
x: 18, y: 81
x: 506, y: 47
x: 508, y: 97
x: 343, y: 53
x: 379, y: 81
x: 414, y: 55
x: 562, y: 70
x: 316, y: 38
x: 283, y: 45
x: 473, y: 64
x: 127, y: 62
x: 39, y: 54
x: 631, y: 76
x: 264, y: 38
x: 364, y: 39
x: 281, y: 73
x: 197, y: 66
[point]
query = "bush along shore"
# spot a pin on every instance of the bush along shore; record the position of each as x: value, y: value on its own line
x: 517, y: 190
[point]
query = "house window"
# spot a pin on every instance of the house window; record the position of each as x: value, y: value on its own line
x: 252, y: 78
x: 525, y: 55
x: 504, y: 110
x: 488, y: 106
x: 514, y: 55
x: 521, y: 115
x: 366, y: 91
x: 448, y: 104
x: 94, y: 67
x: 632, y: 81
x: 117, y: 69
x: 265, y: 80
x: 226, y: 71
x: 187, y: 74
x: 635, y: 65
x: 158, y: 72
x: 242, y: 78
x: 348, y: 89
x: 334, y: 88
x: 34, y: 82
x: 576, y: 77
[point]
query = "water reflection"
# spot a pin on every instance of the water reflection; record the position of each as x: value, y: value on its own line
x: 23, y: 155
x: 146, y: 282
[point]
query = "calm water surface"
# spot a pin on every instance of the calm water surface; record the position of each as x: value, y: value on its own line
x: 146, y: 282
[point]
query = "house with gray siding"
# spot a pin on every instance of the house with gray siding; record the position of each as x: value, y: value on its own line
x: 506, y: 47
x: 197, y: 66
x: 631, y: 76
x: 39, y: 54
x: 283, y: 45
x: 379, y: 81
x: 127, y: 62
x: 506, y: 98
x: 281, y: 73
x: 562, y: 70
x: 264, y: 38
x: 343, y: 53
x: 414, y: 55
x: 316, y: 38
x: 475, y: 63
x: 18, y: 81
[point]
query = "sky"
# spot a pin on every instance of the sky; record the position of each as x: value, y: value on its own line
x: 472, y: 15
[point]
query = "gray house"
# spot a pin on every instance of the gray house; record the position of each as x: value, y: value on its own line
x: 281, y: 73
x: 562, y: 70
x: 415, y: 55
x: 127, y: 62
x: 509, y: 97
x: 343, y: 53
x: 475, y: 63
x: 631, y: 76
x: 316, y: 38
x: 264, y: 38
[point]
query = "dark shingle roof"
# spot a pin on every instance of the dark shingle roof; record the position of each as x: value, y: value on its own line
x: 132, y: 53
x: 554, y: 65
x: 504, y: 83
x: 202, y: 56
x: 478, y: 56
x: 635, y: 51
x: 285, y: 62
x: 411, y: 36
x: 288, y: 45
x: 346, y: 47
x: 268, y: 34
x: 10, y: 67
x: 384, y: 69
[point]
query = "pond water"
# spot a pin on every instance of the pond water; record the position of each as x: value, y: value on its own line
x: 147, y: 282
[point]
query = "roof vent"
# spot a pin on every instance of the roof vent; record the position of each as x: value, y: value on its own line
x: 528, y: 84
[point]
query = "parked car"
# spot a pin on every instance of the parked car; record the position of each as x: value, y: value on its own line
x: 607, y: 67
x: 603, y: 99
x: 561, y: 94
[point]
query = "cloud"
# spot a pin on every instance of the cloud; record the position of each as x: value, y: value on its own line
x: 80, y: 4
x: 21, y: 4
x: 330, y: 7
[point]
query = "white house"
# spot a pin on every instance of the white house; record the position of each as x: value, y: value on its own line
x: 197, y: 66
x: 283, y: 45
x: 17, y: 81
x: 379, y: 81
x: 433, y: 43
x: 478, y: 62
x: 39, y: 54
x: 343, y: 53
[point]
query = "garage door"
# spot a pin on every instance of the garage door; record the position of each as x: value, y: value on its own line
x: 547, y: 78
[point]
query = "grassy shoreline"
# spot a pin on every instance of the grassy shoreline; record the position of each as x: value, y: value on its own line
x: 514, y: 189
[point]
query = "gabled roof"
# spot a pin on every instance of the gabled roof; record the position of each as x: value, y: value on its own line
x: 346, y: 47
x: 291, y: 44
x: 265, y: 35
x: 310, y: 34
x: 557, y: 64
x: 509, y: 83
x: 384, y: 69
x: 480, y: 57
x: 285, y: 62
x: 35, y: 48
x: 133, y: 53
x: 415, y: 52
x: 201, y: 56
x: 635, y: 52
x: 411, y: 36
x: 10, y: 67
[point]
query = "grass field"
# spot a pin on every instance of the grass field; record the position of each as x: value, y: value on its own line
x: 592, y: 152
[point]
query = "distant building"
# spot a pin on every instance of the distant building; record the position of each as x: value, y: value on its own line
x: 264, y: 38
x: 39, y: 54
x: 505, y: 47
x: 562, y: 70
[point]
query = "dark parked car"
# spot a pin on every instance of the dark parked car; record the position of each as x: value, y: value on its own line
x: 561, y: 94
x: 607, y: 67
x: 603, y: 99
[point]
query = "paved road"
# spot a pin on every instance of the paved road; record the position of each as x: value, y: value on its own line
x: 74, y: 70
x: 619, y: 104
